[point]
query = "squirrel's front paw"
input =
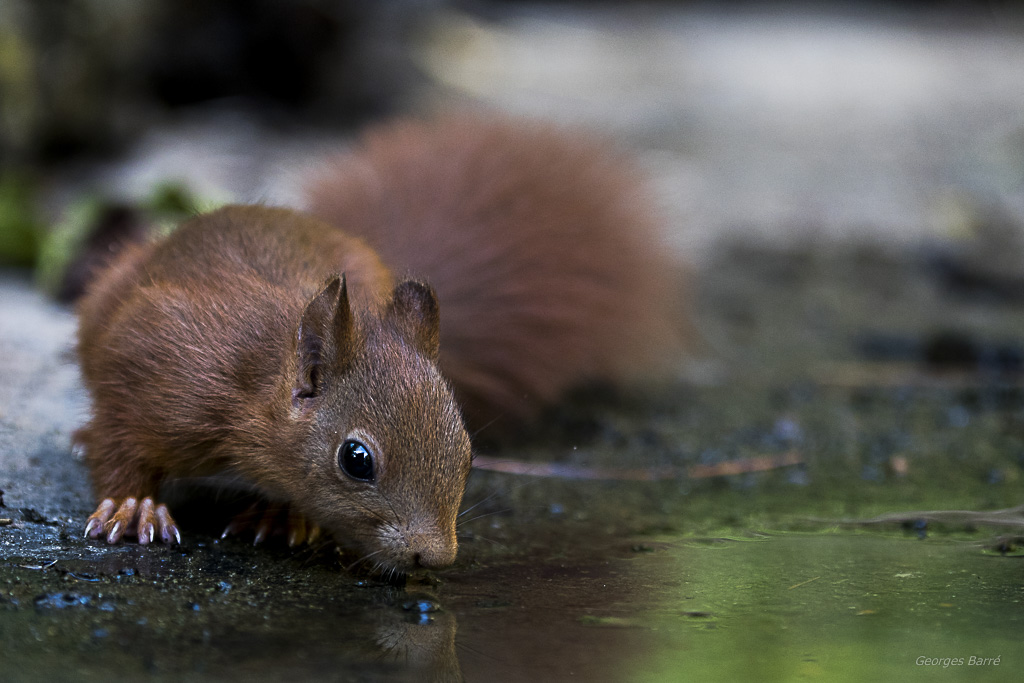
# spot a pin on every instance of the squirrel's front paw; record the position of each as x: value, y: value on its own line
x: 273, y: 519
x: 143, y: 519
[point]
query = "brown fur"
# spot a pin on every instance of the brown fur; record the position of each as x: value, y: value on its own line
x: 198, y: 354
x: 233, y: 345
x: 541, y: 245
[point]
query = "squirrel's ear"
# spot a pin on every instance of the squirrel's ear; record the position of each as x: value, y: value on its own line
x: 323, y: 338
x: 414, y: 309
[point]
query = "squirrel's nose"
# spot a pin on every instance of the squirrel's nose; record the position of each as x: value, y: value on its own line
x: 435, y: 555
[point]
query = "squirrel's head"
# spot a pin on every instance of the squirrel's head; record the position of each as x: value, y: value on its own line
x: 385, y: 455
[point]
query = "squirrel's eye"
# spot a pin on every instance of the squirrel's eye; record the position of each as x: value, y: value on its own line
x: 355, y: 460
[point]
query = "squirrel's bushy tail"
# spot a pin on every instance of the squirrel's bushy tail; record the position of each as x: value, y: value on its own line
x: 542, y: 246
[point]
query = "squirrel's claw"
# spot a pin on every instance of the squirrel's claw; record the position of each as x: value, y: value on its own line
x: 267, y: 520
x: 261, y: 517
x: 268, y: 524
x: 94, y: 525
x: 145, y: 520
x: 301, y: 530
x: 168, y: 527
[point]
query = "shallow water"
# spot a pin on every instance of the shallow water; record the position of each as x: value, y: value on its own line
x: 790, y: 606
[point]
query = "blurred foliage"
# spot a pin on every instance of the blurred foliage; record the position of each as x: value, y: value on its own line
x: 94, y: 228
x: 20, y: 229
x: 81, y: 79
x: 67, y: 71
x: 85, y: 76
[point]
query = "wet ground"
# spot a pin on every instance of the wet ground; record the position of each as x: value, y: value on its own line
x: 858, y: 294
x: 761, y: 575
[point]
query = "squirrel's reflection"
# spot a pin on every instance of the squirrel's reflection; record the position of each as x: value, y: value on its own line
x: 420, y: 644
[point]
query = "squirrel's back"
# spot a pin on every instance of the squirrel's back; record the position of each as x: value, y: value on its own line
x: 542, y: 246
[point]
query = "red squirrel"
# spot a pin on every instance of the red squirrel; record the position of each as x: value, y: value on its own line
x: 281, y: 348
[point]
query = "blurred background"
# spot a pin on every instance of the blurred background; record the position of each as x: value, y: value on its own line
x: 845, y: 180
x: 886, y: 122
